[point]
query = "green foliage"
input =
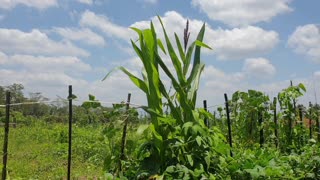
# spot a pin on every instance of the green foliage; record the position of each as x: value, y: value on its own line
x: 180, y: 139
x: 92, y: 103
x: 247, y: 108
x: 175, y: 143
x: 39, y: 151
x: 91, y: 106
x: 287, y: 100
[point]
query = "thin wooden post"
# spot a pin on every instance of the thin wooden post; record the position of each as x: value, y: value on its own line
x: 275, y: 123
x: 261, y: 141
x: 70, y: 132
x: 229, y: 123
x: 294, y: 100
x: 6, y: 137
x: 290, y: 119
x: 124, y: 133
x: 301, y: 136
x: 214, y: 118
x: 206, y: 122
x: 310, y: 120
x: 318, y: 125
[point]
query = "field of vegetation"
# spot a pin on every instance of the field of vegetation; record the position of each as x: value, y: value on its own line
x: 252, y: 137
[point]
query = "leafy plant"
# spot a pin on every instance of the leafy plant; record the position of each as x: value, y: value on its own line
x: 180, y: 137
x: 287, y: 98
x: 249, y: 109
x: 90, y: 106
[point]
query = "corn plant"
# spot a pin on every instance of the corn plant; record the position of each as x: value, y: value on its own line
x: 181, y: 137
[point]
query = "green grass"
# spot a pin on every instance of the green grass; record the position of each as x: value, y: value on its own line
x: 40, y: 151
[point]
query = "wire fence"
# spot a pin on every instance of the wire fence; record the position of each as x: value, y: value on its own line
x: 69, y: 105
x: 132, y: 105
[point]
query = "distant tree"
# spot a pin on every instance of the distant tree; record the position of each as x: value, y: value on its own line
x: 36, y: 110
x: 16, y: 90
x: 2, y: 95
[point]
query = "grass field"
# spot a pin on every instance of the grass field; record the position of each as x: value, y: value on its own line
x: 40, y: 151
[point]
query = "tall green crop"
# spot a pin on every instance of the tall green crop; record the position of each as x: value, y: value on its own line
x: 180, y: 139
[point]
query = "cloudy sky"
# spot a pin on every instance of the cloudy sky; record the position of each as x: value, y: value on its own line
x: 257, y: 44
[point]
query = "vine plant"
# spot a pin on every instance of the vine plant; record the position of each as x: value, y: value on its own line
x: 286, y: 99
x: 249, y: 109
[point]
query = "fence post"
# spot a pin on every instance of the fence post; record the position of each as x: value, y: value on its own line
x: 294, y: 100
x: 275, y: 121
x: 318, y: 125
x: 6, y: 136
x: 301, y: 136
x: 70, y: 132
x: 124, y: 133
x: 261, y: 130
x: 206, y: 122
x: 214, y: 118
x: 229, y: 123
x: 310, y: 120
x: 290, y: 136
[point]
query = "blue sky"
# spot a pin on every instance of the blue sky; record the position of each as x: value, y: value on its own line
x: 49, y: 44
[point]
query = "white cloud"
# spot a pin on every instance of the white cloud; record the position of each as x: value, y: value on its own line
x: 84, y: 35
x: 38, y: 4
x: 50, y: 84
x: 48, y: 64
x: 89, y: 2
x: 317, y: 75
x: 244, y: 12
x: 306, y: 40
x: 38, y: 79
x: 35, y: 42
x: 101, y: 22
x: 49, y: 75
x: 118, y: 82
x: 217, y: 82
x: 151, y: 1
x: 237, y: 43
x: 259, y: 67
x: 220, y: 81
x: 3, y: 58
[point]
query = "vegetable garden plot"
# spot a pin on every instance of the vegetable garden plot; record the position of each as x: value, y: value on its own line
x: 175, y: 140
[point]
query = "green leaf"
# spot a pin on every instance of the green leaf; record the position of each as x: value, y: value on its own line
x: 72, y: 97
x: 138, y: 82
x: 196, y: 59
x: 301, y: 86
x: 190, y: 160
x: 182, y: 55
x: 195, y: 80
x: 208, y: 160
x: 186, y: 126
x: 188, y: 58
x: 155, y: 133
x: 91, y: 97
x: 198, y: 140
x: 161, y: 46
x: 175, y: 60
x: 142, y: 128
x: 136, y: 30
x: 201, y: 44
